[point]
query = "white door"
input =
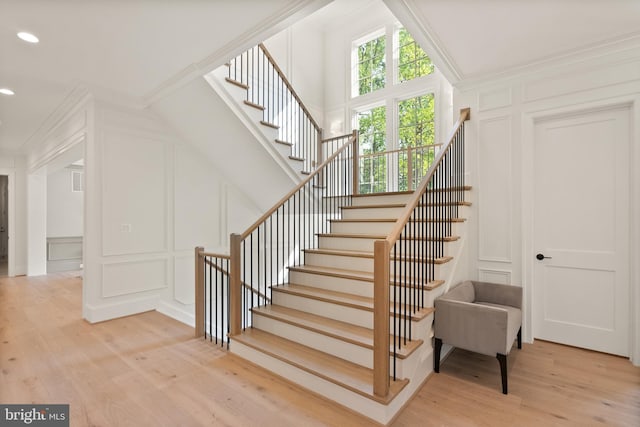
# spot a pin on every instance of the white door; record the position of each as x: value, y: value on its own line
x: 581, y: 225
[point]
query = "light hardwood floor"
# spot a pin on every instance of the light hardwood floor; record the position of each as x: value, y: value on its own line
x: 147, y: 370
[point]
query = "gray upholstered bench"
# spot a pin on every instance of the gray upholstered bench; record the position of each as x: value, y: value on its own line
x: 481, y: 317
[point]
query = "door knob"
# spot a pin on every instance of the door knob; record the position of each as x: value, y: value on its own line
x: 540, y: 257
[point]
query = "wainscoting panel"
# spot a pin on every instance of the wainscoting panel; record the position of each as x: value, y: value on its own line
x: 124, y: 278
x: 494, y: 193
x: 184, y: 279
x: 494, y: 276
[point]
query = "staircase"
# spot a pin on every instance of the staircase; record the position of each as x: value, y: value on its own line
x: 276, y: 117
x: 318, y: 330
x: 332, y: 289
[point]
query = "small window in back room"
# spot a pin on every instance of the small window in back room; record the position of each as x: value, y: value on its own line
x: 77, y: 181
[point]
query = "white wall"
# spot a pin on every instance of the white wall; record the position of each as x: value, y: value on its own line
x: 340, y: 33
x: 150, y: 198
x: 65, y: 207
x: 299, y: 52
x: 500, y: 138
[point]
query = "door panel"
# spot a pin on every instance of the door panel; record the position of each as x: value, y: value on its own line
x: 581, y: 224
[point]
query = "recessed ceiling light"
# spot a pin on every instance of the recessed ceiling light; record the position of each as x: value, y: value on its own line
x: 6, y: 91
x: 28, y: 37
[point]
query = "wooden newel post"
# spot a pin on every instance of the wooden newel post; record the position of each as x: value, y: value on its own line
x: 199, y: 283
x: 381, y: 372
x: 356, y: 163
x: 235, y: 286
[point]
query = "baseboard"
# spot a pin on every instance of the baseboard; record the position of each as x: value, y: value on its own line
x: 100, y: 313
x: 177, y: 313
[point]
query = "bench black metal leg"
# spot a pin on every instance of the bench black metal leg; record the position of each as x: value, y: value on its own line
x: 502, y: 359
x: 520, y: 337
x: 437, y: 347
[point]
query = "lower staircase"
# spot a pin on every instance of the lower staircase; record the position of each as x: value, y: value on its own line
x: 318, y: 329
x: 334, y: 290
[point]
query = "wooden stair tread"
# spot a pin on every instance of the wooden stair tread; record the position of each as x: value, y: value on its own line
x: 271, y: 125
x: 305, y: 172
x: 382, y: 205
x: 361, y: 254
x: 364, y: 276
x: 299, y: 159
x: 330, y: 368
x: 254, y: 105
x: 344, y: 299
x: 236, y: 83
x: 347, y: 332
x: 387, y: 193
x: 382, y: 237
x: 364, y: 220
x: 279, y: 141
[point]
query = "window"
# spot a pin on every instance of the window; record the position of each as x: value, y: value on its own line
x: 397, y: 137
x: 412, y: 60
x: 371, y: 65
x: 415, y: 121
x: 372, y: 130
x: 77, y: 181
x: 372, y: 137
x: 416, y: 132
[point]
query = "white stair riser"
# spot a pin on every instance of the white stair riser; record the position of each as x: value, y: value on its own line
x: 382, y: 199
x: 353, y: 263
x: 371, y: 213
x: 382, y: 228
x: 354, y: 316
x: 361, y: 244
x: 338, y: 284
x: 339, y: 348
x: 356, y: 287
x: 347, y: 243
x: 395, y: 212
x: 378, y: 412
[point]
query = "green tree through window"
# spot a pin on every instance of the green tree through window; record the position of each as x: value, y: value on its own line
x: 412, y: 60
x: 372, y: 136
x: 416, y: 128
x: 371, y: 65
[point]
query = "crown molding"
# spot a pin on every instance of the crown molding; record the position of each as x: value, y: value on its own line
x: 73, y: 100
x: 418, y: 26
x: 597, y: 56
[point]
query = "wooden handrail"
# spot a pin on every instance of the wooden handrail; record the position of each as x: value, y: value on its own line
x: 286, y: 82
x: 276, y: 206
x: 215, y: 255
x: 399, y: 150
x: 244, y: 284
x: 392, y: 237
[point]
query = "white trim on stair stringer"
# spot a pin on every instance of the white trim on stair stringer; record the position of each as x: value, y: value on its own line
x: 367, y: 407
x: 254, y: 127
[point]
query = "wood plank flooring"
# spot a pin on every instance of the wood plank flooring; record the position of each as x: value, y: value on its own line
x: 147, y: 370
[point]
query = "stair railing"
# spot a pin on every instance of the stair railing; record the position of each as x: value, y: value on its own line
x: 395, y: 170
x: 270, y: 90
x: 404, y: 263
x: 228, y: 286
x: 212, y: 295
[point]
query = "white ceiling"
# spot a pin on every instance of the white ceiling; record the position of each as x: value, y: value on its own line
x: 481, y: 38
x: 124, y: 47
x: 136, y: 48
